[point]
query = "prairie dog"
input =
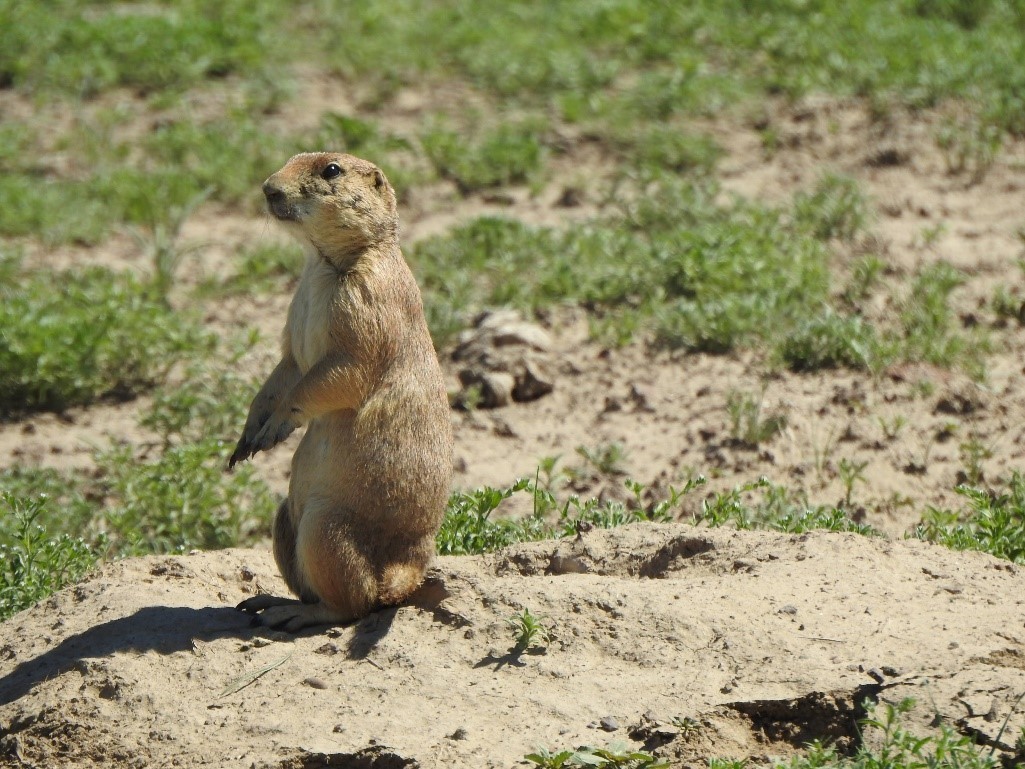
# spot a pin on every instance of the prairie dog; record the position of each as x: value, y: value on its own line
x: 371, y: 476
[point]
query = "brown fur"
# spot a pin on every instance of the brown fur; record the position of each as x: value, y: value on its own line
x: 358, y: 368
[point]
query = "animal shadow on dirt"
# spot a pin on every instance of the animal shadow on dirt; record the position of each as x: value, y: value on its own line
x: 163, y: 629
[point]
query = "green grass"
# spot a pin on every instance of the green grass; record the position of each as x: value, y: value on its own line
x: 76, y: 336
x: 680, y: 59
x: 701, y: 275
x: 84, y: 48
x: 510, y: 154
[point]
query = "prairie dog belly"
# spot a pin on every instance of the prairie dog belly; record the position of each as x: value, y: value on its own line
x: 323, y: 464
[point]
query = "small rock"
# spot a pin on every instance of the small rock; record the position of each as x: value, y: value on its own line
x: 315, y: 683
x: 608, y: 723
x: 570, y: 198
x: 533, y: 382
x: 505, y: 358
x: 523, y: 334
x: 788, y: 609
x: 876, y: 675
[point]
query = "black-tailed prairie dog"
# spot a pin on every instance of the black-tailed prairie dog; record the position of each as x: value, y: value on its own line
x: 358, y: 368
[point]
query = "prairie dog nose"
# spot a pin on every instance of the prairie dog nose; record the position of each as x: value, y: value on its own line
x: 273, y: 193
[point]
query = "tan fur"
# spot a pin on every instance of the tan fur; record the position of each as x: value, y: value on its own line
x: 358, y: 368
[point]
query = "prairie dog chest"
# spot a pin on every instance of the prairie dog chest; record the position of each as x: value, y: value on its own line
x: 311, y: 314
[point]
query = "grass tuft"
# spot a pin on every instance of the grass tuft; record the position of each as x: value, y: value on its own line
x: 34, y: 564
x: 991, y: 521
x: 74, y: 337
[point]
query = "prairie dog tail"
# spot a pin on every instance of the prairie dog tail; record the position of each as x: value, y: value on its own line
x: 398, y: 580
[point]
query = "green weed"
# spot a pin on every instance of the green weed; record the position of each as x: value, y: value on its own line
x: 777, y: 509
x: 897, y: 748
x: 836, y: 208
x: 748, y: 425
x: 34, y: 564
x: 831, y: 340
x: 469, y: 526
x: 928, y: 323
x: 261, y: 269
x: 864, y: 278
x: 511, y: 154
x: 209, y: 399
x: 528, y: 631
x: 991, y: 521
x: 617, y: 755
x: 606, y: 459
x: 74, y: 337
x: 182, y: 500
x: 699, y: 275
x: 969, y: 148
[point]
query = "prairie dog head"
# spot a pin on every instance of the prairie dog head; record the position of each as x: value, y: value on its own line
x: 337, y: 203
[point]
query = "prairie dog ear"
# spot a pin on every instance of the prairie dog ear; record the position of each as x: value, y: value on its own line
x: 379, y: 180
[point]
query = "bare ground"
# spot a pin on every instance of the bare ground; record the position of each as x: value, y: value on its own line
x: 764, y: 641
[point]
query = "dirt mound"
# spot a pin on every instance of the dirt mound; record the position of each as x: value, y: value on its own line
x: 691, y: 642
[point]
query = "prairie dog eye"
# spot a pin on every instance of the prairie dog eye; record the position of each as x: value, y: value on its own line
x: 331, y: 171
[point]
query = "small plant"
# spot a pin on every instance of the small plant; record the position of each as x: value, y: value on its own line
x: 928, y: 323
x: 864, y: 277
x: 161, y: 243
x: 213, y: 403
x: 930, y: 236
x: 891, y: 427
x: 528, y: 631
x: 606, y: 459
x: 973, y: 453
x: 748, y: 425
x: 686, y: 724
x: 836, y: 208
x: 898, y: 748
x: 468, y: 526
x: 991, y: 522
x: 970, y: 147
x: 263, y: 268
x: 777, y: 509
x: 182, y: 500
x: 33, y: 564
x: 830, y: 340
x: 1007, y: 305
x: 851, y: 473
x: 616, y: 756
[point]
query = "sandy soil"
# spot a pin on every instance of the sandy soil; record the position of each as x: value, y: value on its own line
x: 766, y: 641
